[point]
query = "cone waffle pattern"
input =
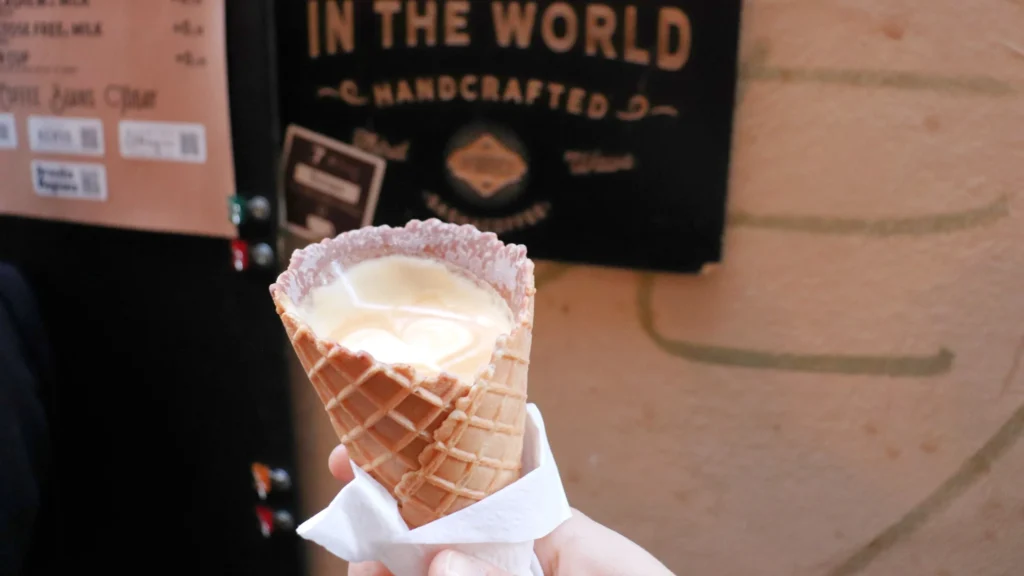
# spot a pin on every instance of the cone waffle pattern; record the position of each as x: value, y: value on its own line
x: 478, y: 449
x: 435, y: 443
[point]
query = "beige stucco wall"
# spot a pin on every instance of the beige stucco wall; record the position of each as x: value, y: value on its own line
x: 844, y: 395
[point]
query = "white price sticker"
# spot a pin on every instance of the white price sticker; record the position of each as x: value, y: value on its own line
x: 8, y: 132
x: 170, y: 141
x: 70, y: 180
x: 57, y: 135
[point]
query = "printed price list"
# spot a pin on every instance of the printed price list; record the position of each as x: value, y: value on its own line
x: 118, y: 101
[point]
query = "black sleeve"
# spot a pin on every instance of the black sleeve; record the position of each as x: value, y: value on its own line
x: 24, y: 444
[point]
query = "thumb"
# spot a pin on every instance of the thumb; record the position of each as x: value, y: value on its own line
x: 451, y: 563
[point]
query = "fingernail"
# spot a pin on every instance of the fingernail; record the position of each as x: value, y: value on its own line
x: 461, y: 565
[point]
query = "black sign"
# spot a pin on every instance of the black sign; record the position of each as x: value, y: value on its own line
x: 593, y: 132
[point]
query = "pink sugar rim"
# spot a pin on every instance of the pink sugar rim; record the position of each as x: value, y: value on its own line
x: 482, y: 255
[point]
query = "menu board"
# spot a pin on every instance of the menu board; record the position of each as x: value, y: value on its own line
x: 115, y: 113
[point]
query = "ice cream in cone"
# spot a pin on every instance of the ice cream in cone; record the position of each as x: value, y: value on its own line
x: 423, y: 378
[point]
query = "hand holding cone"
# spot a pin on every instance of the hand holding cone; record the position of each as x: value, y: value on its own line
x: 437, y: 444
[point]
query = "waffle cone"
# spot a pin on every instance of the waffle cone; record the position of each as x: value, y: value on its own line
x: 436, y: 443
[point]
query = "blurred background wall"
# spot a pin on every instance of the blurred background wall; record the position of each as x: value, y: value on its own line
x: 844, y: 395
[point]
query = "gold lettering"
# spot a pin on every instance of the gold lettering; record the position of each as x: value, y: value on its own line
x: 340, y: 27
x: 349, y: 92
x: 636, y: 109
x: 425, y: 89
x: 465, y: 87
x: 533, y: 90
x: 404, y: 93
x: 559, y: 10
x: 574, y: 100
x: 598, y: 106
x: 490, y: 89
x: 529, y: 216
x: 447, y: 89
x: 632, y: 53
x: 515, y: 20
x: 376, y: 144
x: 597, y: 162
x: 387, y: 10
x: 668, y: 19
x: 601, y: 25
x: 574, y: 105
x: 382, y: 95
x: 415, y: 22
x: 313, y: 27
x: 455, y: 23
x: 513, y: 92
x: 556, y: 91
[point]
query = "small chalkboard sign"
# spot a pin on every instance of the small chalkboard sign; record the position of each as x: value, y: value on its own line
x: 329, y: 187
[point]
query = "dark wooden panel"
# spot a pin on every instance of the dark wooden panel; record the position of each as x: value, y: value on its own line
x: 171, y: 372
x: 170, y: 382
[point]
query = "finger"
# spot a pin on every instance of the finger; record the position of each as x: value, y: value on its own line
x: 339, y: 465
x: 368, y: 569
x: 549, y: 548
x: 451, y: 563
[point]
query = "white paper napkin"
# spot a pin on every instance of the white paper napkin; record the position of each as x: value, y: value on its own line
x: 363, y: 524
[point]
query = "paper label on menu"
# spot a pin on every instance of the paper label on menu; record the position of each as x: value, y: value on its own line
x: 83, y: 181
x: 171, y: 141
x: 8, y: 132
x: 79, y: 136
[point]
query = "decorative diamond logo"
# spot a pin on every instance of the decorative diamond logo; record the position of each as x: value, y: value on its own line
x: 486, y: 165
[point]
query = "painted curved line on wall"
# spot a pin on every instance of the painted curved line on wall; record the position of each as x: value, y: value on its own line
x: 880, y: 227
x: 903, y: 80
x: 966, y: 476
x: 850, y: 364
